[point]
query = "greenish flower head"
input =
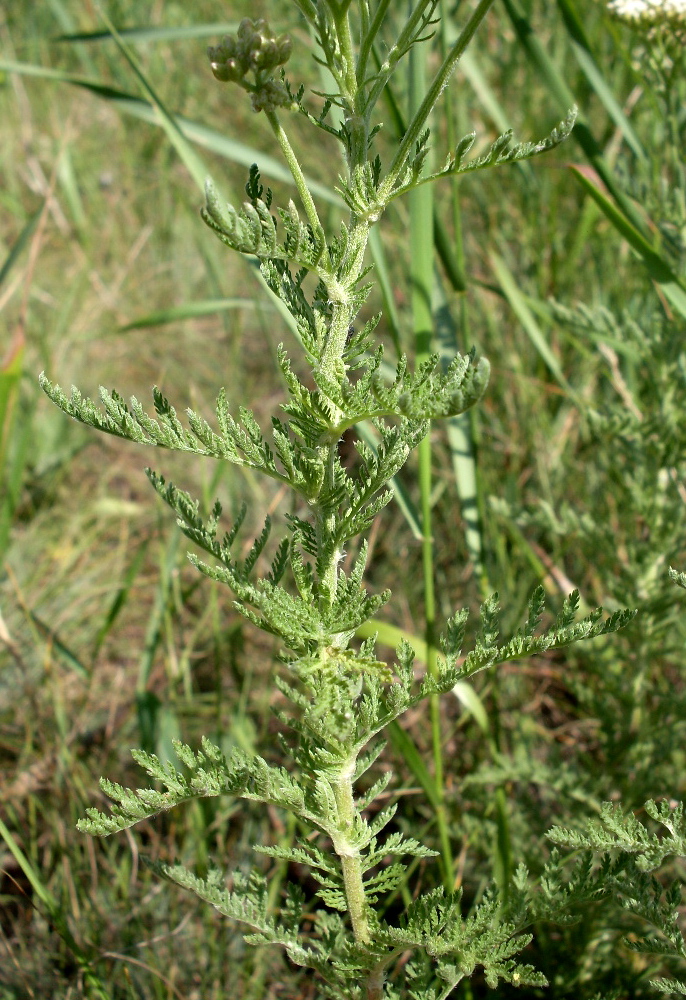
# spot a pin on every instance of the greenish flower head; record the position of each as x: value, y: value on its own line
x: 257, y: 51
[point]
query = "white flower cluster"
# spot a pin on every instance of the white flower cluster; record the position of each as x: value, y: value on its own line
x: 650, y: 13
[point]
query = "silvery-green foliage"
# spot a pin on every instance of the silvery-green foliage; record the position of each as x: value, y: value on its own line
x: 339, y: 698
x: 636, y: 433
x: 619, y: 858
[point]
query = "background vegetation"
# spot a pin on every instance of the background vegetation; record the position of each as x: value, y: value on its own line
x: 107, y: 641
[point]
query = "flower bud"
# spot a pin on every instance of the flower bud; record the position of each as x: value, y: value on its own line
x: 285, y: 47
x: 245, y: 29
x: 225, y: 70
x: 253, y: 48
x: 264, y: 56
x: 228, y: 46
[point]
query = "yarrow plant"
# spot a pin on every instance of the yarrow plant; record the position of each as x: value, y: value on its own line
x: 341, y: 698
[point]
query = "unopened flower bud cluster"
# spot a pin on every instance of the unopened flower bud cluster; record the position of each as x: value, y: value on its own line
x: 254, y: 49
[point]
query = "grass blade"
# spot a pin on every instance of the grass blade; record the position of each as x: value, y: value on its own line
x: 526, y: 318
x: 67, y: 655
x: 190, y: 310
x: 161, y: 34
x: 657, y: 267
x: 53, y: 909
x: 557, y: 87
x: 391, y: 635
x: 460, y: 441
x: 20, y: 243
x: 401, y: 495
x: 421, y: 283
x: 15, y: 436
x: 193, y: 163
x: 450, y: 341
x: 386, y: 286
x: 589, y: 67
x: 120, y: 598
x: 201, y: 135
x: 407, y: 748
x: 466, y: 694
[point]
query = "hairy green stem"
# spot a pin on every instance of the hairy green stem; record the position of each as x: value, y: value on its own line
x: 325, y: 528
x: 347, y: 52
x: 341, y: 292
x: 349, y: 854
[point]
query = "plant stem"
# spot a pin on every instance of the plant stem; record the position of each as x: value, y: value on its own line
x: 307, y: 9
x: 460, y: 428
x: 367, y: 40
x: 398, y: 50
x: 422, y: 267
x: 351, y: 866
x: 349, y: 854
x: 298, y: 177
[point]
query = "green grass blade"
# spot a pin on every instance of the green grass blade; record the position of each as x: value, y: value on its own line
x: 487, y: 98
x: 193, y: 163
x: 404, y: 745
x: 161, y: 34
x: 401, y: 495
x: 155, y: 621
x: 386, y: 287
x: 16, y: 436
x: 12, y: 467
x: 189, y: 310
x: 10, y: 376
x: 391, y: 635
x: 120, y: 598
x: 52, y: 907
x: 67, y: 655
x: 460, y: 439
x: 519, y: 306
x: 41, y: 890
x: 558, y: 89
x: 70, y: 187
x: 421, y: 284
x: 466, y: 694
x: 658, y: 269
x: 584, y: 56
x: 19, y: 244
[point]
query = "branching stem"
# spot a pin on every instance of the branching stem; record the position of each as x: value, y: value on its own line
x: 397, y: 52
x: 418, y: 123
x: 298, y: 177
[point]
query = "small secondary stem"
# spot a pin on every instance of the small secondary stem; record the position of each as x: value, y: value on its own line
x: 298, y: 176
x: 422, y: 273
x: 419, y: 120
